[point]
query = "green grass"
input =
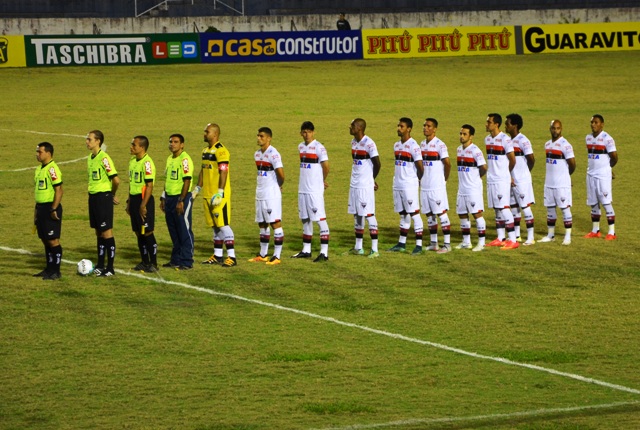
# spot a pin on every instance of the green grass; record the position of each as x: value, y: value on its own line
x: 132, y: 352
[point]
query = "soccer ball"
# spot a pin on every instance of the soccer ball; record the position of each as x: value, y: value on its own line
x: 85, y: 267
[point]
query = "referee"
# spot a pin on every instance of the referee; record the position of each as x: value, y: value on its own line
x: 103, y: 184
x: 47, y: 216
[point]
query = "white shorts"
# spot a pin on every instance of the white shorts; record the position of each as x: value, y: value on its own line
x: 469, y: 204
x: 311, y: 207
x: 599, y: 190
x: 362, y: 201
x: 269, y: 210
x: 560, y: 197
x: 522, y: 195
x: 499, y: 195
x: 434, y: 201
x: 406, y: 201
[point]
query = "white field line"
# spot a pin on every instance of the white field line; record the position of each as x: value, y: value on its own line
x: 367, y: 329
x: 512, y: 415
x: 47, y: 134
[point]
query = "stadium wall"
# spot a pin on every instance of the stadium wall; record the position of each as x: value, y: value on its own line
x: 86, y: 26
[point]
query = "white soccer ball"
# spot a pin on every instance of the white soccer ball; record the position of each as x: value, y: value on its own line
x: 85, y: 267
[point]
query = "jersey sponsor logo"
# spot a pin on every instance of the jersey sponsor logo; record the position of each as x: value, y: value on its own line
x: 401, y: 163
x: 357, y: 162
x: 427, y: 163
x: 551, y: 161
x: 305, y: 165
x: 262, y: 173
x: 53, y: 174
x: 594, y: 156
x: 464, y: 169
x: 147, y: 168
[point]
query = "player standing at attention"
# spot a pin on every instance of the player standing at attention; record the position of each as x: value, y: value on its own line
x: 500, y: 162
x: 141, y: 204
x: 103, y: 185
x: 47, y: 216
x: 268, y: 197
x: 601, y: 149
x: 406, y: 182
x: 521, y: 187
x: 314, y: 169
x: 177, y: 204
x: 215, y: 182
x: 471, y: 168
x: 561, y: 163
x: 433, y: 186
x: 362, y: 199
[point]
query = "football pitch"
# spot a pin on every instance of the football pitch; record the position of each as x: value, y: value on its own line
x: 542, y: 337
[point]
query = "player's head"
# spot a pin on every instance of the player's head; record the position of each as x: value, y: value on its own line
x: 178, y: 136
x: 406, y: 121
x: 404, y: 128
x: 97, y: 135
x: 515, y: 119
x: 556, y: 129
x: 466, y: 133
x: 264, y: 137
x: 142, y: 141
x: 46, y: 147
x: 597, y: 124
x: 598, y: 116
x: 429, y: 127
x: 266, y: 130
x: 307, y: 125
x: 211, y: 133
x: 496, y: 117
x: 357, y: 126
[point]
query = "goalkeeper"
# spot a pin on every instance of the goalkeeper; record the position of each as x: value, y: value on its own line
x: 215, y: 185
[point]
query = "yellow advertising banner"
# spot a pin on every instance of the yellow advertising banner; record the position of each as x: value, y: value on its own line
x: 438, y: 42
x: 563, y: 38
x: 12, y: 52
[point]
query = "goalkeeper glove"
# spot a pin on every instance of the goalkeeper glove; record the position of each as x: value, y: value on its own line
x: 195, y: 192
x: 217, y: 198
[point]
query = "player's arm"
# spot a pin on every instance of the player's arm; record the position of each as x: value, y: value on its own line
x: 186, y: 182
x: 482, y: 170
x: 571, y: 163
x: 420, y: 168
x: 511, y: 156
x: 57, y: 198
x: 325, y: 172
x: 376, y: 169
x: 446, y: 163
x: 223, y: 169
x: 146, y: 196
x: 613, y: 158
x: 531, y: 161
x: 198, y: 187
x: 280, y: 176
x: 115, y: 183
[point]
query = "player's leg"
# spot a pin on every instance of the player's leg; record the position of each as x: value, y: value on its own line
x: 324, y: 236
x: 481, y: 227
x: 528, y: 220
x: 568, y: 224
x: 445, y: 224
x: 278, y: 239
x: 373, y: 232
x: 465, y: 228
x: 432, y: 225
x: 517, y: 219
x: 551, y: 224
x: 358, y: 226
x: 611, y: 220
x: 418, y: 228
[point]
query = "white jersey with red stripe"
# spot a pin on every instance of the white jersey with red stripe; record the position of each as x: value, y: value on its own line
x: 267, y: 184
x: 521, y: 148
x: 497, y: 161
x: 598, y: 149
x: 405, y: 176
x: 557, y: 154
x: 311, y: 177
x: 433, y: 152
x: 469, y: 160
x: 362, y: 170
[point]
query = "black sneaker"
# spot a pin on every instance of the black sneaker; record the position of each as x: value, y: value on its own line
x: 184, y: 268
x: 40, y: 274
x: 140, y: 267
x: 51, y: 276
x: 213, y: 260
x: 302, y: 255
x: 150, y: 268
x: 170, y: 265
x: 105, y: 273
x: 320, y: 258
x: 230, y: 262
x: 98, y: 270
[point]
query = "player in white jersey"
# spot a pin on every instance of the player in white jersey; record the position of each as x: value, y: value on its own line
x: 362, y: 202
x: 500, y: 162
x: 406, y: 181
x: 471, y: 167
x: 521, y: 186
x: 561, y: 163
x: 601, y: 149
x: 433, y: 186
x: 314, y: 169
x: 268, y: 197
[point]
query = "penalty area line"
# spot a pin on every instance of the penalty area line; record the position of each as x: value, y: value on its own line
x: 368, y: 329
x: 506, y: 416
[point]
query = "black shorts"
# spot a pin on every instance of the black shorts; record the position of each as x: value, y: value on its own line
x: 134, y: 213
x: 48, y: 228
x: 101, y: 211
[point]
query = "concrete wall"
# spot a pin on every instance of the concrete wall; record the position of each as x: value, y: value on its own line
x: 26, y: 26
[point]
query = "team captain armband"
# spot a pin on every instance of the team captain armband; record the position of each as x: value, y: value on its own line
x: 223, y: 167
